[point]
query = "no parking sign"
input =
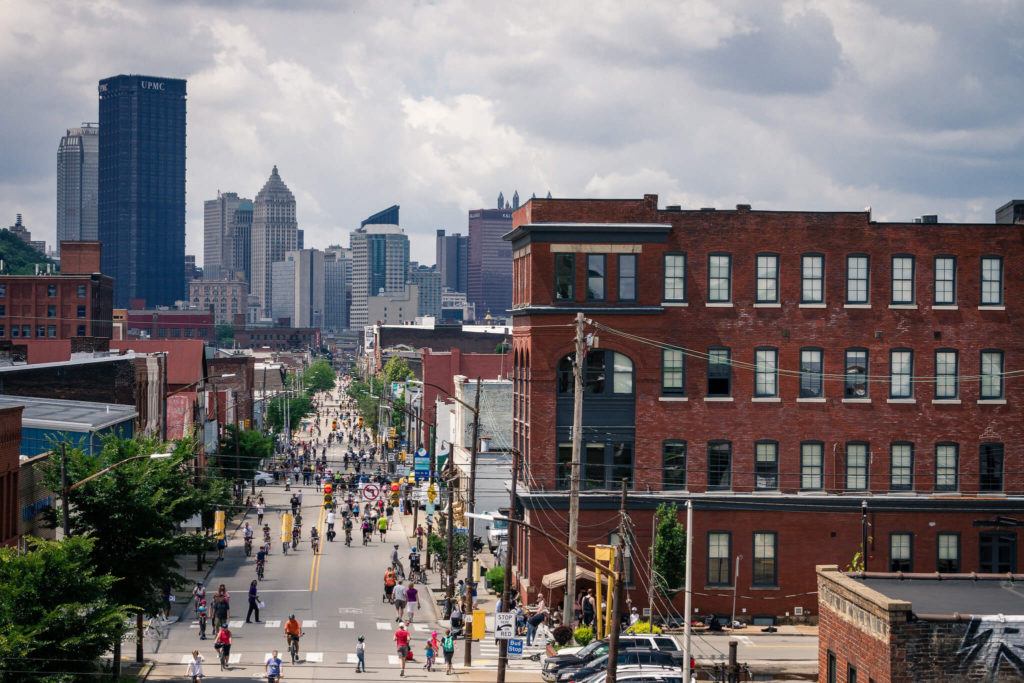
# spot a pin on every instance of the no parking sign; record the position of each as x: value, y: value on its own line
x: 371, y: 491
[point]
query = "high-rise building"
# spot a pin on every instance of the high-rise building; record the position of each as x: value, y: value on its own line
x: 241, y: 241
x: 78, y: 167
x: 337, y: 287
x: 428, y: 280
x: 226, y: 297
x: 141, y: 205
x: 380, y: 262
x: 490, y: 261
x: 21, y: 231
x: 274, y: 232
x: 218, y: 224
x: 298, y: 288
x: 388, y: 216
x: 1011, y: 212
x: 453, y: 261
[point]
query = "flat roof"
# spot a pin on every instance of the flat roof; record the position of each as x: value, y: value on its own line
x: 71, y: 416
x: 952, y: 595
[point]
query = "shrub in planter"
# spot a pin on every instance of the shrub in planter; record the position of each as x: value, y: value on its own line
x: 562, y: 635
x: 495, y: 578
x: 583, y: 635
x: 643, y: 626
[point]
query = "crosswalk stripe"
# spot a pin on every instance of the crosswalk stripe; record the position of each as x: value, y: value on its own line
x: 309, y: 623
x: 352, y: 659
x: 346, y: 624
x: 313, y: 657
x: 421, y: 627
x: 235, y: 659
x: 236, y: 624
x: 272, y: 623
x: 383, y: 626
x: 393, y: 660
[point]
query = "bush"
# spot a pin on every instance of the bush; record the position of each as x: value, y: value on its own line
x: 583, y: 635
x: 562, y: 635
x: 495, y: 578
x: 643, y: 626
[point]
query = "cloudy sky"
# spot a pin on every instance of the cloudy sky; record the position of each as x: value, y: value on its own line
x: 909, y: 107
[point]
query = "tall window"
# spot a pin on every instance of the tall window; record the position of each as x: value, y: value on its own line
x: 51, y: 311
x: 902, y: 279
x: 766, y: 465
x: 901, y: 373
x: 81, y: 291
x: 675, y: 277
x: 766, y: 372
x: 945, y: 280
x: 946, y: 376
x: 812, y: 277
x: 991, y: 281
x: 901, y: 467
x: 627, y: 277
x: 856, y: 467
x: 595, y: 277
x: 81, y: 311
x: 997, y: 552
x: 991, y: 374
x: 673, y: 455
x: 565, y: 277
x: 857, y: 274
x: 767, y: 278
x: 51, y: 290
x: 811, y: 464
x: 947, y: 466
x: 719, y: 465
x: 948, y: 553
x: 719, y: 277
x: 719, y: 556
x: 673, y: 371
x: 831, y: 668
x: 765, y: 565
x: 991, y: 467
x: 855, y: 381
x: 811, y: 384
x: 719, y: 372
x: 901, y: 552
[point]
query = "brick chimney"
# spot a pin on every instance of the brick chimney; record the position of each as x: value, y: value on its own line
x: 80, y: 258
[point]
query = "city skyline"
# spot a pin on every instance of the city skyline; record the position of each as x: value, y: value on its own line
x: 820, y: 106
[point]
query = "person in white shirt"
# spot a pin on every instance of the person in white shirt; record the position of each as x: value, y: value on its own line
x: 634, y: 616
x: 194, y: 669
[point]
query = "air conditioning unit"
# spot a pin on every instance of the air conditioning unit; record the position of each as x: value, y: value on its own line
x: 798, y: 611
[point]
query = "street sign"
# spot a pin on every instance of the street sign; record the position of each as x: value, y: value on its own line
x: 421, y: 462
x: 431, y: 493
x: 461, y: 531
x: 422, y: 476
x: 422, y: 453
x: 504, y: 625
x: 371, y: 491
x: 515, y: 648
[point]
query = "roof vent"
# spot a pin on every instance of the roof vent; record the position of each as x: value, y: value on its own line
x: 674, y: 207
x: 707, y: 208
x: 927, y: 218
x: 743, y: 207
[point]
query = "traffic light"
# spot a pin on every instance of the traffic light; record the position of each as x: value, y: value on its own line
x: 394, y: 433
x: 328, y: 500
x: 360, y: 422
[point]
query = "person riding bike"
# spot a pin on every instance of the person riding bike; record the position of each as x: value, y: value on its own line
x: 314, y: 540
x: 261, y: 560
x: 414, y: 564
x: 266, y: 534
x: 396, y: 563
x: 295, y: 537
x: 366, y: 532
x: 292, y: 632
x: 247, y: 533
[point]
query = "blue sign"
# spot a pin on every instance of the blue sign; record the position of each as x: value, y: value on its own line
x: 515, y: 648
x: 421, y: 463
x: 460, y: 531
x: 422, y: 476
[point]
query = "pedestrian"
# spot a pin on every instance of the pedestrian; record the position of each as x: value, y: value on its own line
x: 222, y: 591
x: 535, y: 620
x: 411, y: 601
x: 402, y: 642
x: 294, y: 501
x: 201, y: 615
x: 194, y: 670
x: 588, y: 608
x: 272, y: 668
x: 260, y: 509
x: 448, y: 647
x: 399, y: 598
x: 254, y: 603
x: 429, y: 652
x: 361, y: 655
x: 634, y: 616
x: 221, y: 544
x: 221, y: 612
x: 166, y: 598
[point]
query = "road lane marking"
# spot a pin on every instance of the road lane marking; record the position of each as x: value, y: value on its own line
x: 383, y: 626
x: 393, y: 660
x: 272, y: 623
x: 351, y: 658
x: 744, y: 639
x: 421, y: 627
x: 235, y: 624
x: 235, y: 659
x: 346, y: 624
x: 317, y: 657
x: 309, y: 623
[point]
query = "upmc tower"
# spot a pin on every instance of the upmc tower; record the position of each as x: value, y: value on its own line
x: 142, y: 188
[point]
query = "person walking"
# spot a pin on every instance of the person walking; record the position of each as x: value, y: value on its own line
x: 361, y: 655
x: 272, y: 668
x: 254, y: 603
x: 411, y: 601
x: 399, y: 598
x: 401, y: 639
x: 194, y: 669
x: 588, y: 608
x: 221, y: 612
x: 260, y: 509
x: 448, y: 648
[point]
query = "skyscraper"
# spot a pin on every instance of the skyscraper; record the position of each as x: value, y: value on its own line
x: 241, y: 240
x: 218, y: 221
x: 428, y: 280
x: 490, y: 261
x: 298, y: 288
x: 380, y: 262
x: 78, y: 166
x: 337, y: 287
x: 453, y: 261
x: 274, y: 232
x: 141, y: 206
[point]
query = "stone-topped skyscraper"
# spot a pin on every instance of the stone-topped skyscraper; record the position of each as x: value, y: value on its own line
x: 274, y: 232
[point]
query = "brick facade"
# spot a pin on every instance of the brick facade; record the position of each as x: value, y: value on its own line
x: 441, y: 367
x: 780, y: 457
x: 10, y: 445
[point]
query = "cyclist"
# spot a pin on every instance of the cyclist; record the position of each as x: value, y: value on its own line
x: 395, y: 562
x: 292, y: 633
x: 223, y: 645
x: 389, y: 584
x: 414, y: 564
x: 382, y: 527
x: 314, y: 539
x: 295, y: 537
x: 266, y: 534
x: 330, y: 521
x: 366, y: 531
x: 261, y: 561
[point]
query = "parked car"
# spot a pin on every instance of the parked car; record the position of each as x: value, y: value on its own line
x: 262, y: 479
x: 597, y: 648
x: 642, y: 674
x: 496, y: 531
x: 643, y: 657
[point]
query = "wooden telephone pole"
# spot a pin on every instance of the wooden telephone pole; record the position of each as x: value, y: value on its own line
x: 574, y: 480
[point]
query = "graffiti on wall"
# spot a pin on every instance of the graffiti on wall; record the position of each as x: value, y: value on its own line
x: 991, y: 642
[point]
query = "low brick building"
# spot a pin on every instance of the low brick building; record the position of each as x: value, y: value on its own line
x: 778, y: 369
x: 278, y: 338
x: 10, y: 465
x: 919, y: 628
x: 440, y: 368
x: 165, y: 323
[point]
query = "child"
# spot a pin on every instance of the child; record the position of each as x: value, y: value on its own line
x: 201, y: 615
x: 430, y: 656
x: 361, y: 656
x: 448, y: 646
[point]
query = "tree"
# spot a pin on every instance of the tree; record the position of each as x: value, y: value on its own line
x: 439, y: 547
x: 253, y: 448
x: 669, y: 550
x: 225, y: 334
x: 319, y: 376
x: 397, y: 370
x: 368, y: 398
x: 56, y: 618
x: 299, y: 407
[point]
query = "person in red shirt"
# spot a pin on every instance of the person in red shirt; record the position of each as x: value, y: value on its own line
x: 402, y: 641
x: 224, y: 643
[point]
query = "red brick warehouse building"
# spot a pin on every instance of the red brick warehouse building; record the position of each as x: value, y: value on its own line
x: 777, y: 368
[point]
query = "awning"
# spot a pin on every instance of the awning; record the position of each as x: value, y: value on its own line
x: 557, y: 579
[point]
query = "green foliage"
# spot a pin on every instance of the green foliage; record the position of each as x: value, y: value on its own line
x: 319, y: 376
x: 643, y: 626
x: 398, y: 416
x: 439, y: 547
x: 495, y: 578
x: 397, y: 370
x: 55, y: 616
x: 857, y: 563
x: 669, y: 551
x: 583, y: 635
x: 132, y: 512
x: 502, y: 347
x: 225, y: 333
x: 300, y: 406
x: 253, y: 448
x: 18, y: 257
x: 367, y: 397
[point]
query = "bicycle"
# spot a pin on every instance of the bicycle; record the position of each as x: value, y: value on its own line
x: 248, y: 547
x: 259, y: 570
x: 293, y: 646
x: 316, y: 545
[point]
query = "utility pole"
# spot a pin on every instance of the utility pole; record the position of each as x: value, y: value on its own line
x: 864, y: 535
x: 431, y: 479
x: 64, y: 489
x: 503, y: 645
x: 471, y: 508
x: 613, y: 627
x: 688, y: 601
x: 450, y: 542
x: 650, y: 583
x: 574, y: 480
